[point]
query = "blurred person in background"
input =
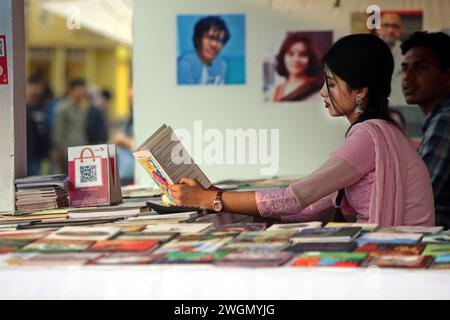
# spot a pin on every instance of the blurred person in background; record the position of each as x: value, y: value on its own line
x: 97, y: 117
x: 124, y: 141
x: 69, y: 124
x: 390, y: 32
x: 38, y: 132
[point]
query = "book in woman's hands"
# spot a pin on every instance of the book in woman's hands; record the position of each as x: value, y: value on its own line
x: 166, y: 161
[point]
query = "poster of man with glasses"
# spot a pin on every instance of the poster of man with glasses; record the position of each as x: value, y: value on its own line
x: 211, y: 50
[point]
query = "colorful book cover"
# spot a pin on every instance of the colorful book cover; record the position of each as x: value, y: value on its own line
x: 255, y: 246
x: 366, y: 227
x: 266, y: 236
x: 391, y: 248
x: 324, y: 247
x: 12, y: 245
x: 329, y: 259
x: 49, y: 245
x: 84, y: 233
x: 240, y: 227
x: 399, y: 238
x: 124, y: 259
x: 411, y: 229
x: 399, y: 261
x: 205, y: 245
x: 327, y: 235
x: 295, y: 226
x: 255, y: 259
x: 161, y: 237
x: 440, y: 238
x: 60, y: 259
x: 124, y: 245
x: 23, y: 235
x: 437, y: 250
x: 190, y: 257
x: 441, y: 262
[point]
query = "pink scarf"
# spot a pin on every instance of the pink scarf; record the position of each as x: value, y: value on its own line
x: 387, y: 205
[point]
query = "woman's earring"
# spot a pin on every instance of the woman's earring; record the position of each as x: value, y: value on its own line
x: 358, y: 109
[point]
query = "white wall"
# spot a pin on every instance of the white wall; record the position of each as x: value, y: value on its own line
x: 307, y: 133
x: 12, y: 103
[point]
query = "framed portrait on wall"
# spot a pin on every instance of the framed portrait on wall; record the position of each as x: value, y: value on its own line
x: 292, y: 69
x: 211, y: 49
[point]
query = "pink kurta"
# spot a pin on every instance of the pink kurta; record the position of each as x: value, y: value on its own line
x: 385, y: 181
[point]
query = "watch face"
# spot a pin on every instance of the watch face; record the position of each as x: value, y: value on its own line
x: 217, y: 206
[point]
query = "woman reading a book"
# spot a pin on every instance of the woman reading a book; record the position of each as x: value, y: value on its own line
x: 374, y: 176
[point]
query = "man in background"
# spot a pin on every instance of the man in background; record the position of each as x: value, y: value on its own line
x: 426, y: 82
x: 38, y: 132
x: 69, y: 127
x: 97, y: 118
x: 391, y: 31
x: 205, y: 66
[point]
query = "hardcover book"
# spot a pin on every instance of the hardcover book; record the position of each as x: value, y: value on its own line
x: 255, y: 246
x: 50, y: 245
x: 266, y: 236
x: 125, y: 246
x: 437, y: 250
x: 255, y: 259
x: 329, y: 259
x: 411, y: 229
x: 391, y: 248
x: 399, y: 261
x: 295, y: 226
x: 327, y: 235
x: 182, y: 228
x: 166, y: 161
x: 399, y: 238
x: 366, y: 227
x: 194, y: 245
x: 190, y: 257
x: 324, y: 247
x: 124, y: 258
x: 84, y: 233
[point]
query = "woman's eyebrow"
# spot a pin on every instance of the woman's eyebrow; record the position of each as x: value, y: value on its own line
x: 329, y: 77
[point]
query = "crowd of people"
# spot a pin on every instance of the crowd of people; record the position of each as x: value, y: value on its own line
x: 54, y: 125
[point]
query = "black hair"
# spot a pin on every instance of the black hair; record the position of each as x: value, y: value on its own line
x: 364, y: 60
x: 35, y: 79
x: 438, y: 42
x: 76, y: 83
x: 314, y: 68
x: 106, y: 94
x: 207, y: 23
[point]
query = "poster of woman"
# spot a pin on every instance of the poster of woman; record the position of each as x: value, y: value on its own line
x: 292, y: 69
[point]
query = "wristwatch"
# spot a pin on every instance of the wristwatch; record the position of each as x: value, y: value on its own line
x: 218, y: 204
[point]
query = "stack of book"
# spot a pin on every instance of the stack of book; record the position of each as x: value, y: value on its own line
x: 42, y: 192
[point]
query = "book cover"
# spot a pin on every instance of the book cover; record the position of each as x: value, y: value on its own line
x: 366, y: 227
x: 411, y: 229
x: 391, y: 248
x: 195, y: 245
x: 50, y: 245
x: 329, y: 259
x: 190, y: 257
x: 124, y: 245
x: 327, y: 235
x: 84, y: 233
x: 437, y: 250
x: 440, y: 238
x: 295, y: 226
x: 23, y: 235
x: 266, y: 236
x: 11, y: 245
x: 156, y: 155
x: 441, y: 262
x: 182, y: 228
x: 124, y: 259
x: 399, y: 261
x: 161, y: 237
x: 399, y: 238
x: 240, y: 227
x: 324, y: 247
x: 60, y: 259
x: 255, y: 259
x: 255, y: 246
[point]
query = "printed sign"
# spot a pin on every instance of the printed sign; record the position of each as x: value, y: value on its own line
x: 3, y: 61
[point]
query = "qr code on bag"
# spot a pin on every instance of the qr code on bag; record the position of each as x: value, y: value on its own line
x: 88, y: 174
